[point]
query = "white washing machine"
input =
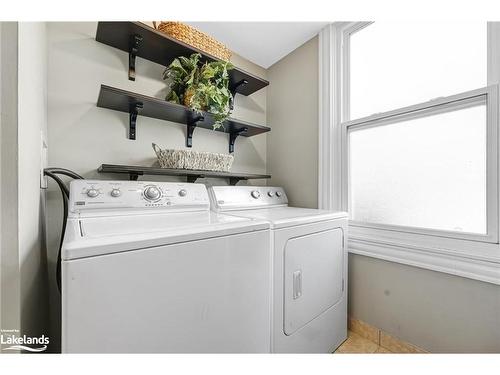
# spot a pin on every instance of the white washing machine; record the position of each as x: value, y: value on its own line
x: 148, y: 268
x: 310, y: 266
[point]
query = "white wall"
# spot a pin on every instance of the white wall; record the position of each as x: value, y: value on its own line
x: 32, y: 124
x: 437, y: 311
x: 82, y: 136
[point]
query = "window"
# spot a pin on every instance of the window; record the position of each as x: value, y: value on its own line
x: 409, y: 141
x: 425, y: 167
x: 396, y: 64
x: 420, y: 167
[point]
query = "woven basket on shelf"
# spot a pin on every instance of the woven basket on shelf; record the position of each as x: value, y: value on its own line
x: 195, y: 38
x: 189, y: 159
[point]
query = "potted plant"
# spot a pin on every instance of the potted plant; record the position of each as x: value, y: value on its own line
x: 201, y: 87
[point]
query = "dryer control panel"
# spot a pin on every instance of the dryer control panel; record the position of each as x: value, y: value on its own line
x: 93, y: 196
x: 246, y: 197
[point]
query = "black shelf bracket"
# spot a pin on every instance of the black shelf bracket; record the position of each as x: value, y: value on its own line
x: 133, y: 112
x: 233, y: 90
x: 134, y: 43
x: 232, y: 137
x: 191, y: 179
x: 133, y: 176
x: 234, y: 180
x: 191, y: 125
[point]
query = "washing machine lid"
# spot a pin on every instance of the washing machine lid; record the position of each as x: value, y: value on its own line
x: 281, y: 217
x: 104, y: 235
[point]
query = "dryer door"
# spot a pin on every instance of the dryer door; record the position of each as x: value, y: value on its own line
x: 313, y: 273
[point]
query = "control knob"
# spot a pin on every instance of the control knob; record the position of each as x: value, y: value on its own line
x: 279, y: 194
x: 152, y: 193
x: 270, y: 193
x: 183, y: 192
x: 255, y: 194
x: 116, y: 193
x: 92, y: 193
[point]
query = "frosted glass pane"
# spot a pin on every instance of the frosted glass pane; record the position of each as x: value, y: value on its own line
x: 396, y: 64
x: 425, y: 173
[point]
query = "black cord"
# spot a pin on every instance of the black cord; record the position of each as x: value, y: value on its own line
x: 52, y: 173
x: 65, y: 172
x: 60, y: 183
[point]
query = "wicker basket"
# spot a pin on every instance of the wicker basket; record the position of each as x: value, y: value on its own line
x: 195, y: 38
x: 189, y: 159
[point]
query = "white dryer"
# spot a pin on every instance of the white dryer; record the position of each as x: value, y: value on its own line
x: 148, y: 268
x: 310, y: 266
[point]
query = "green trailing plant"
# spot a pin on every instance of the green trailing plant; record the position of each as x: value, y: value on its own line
x: 201, y: 87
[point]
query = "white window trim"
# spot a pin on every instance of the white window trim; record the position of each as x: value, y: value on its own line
x: 466, y: 258
x: 329, y: 115
x: 488, y: 96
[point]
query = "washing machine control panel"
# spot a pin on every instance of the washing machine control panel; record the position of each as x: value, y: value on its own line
x: 95, y: 195
x: 246, y: 197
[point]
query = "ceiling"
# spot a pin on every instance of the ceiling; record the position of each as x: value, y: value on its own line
x: 263, y: 43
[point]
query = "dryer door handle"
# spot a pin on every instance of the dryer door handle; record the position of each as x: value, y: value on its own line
x: 297, y: 284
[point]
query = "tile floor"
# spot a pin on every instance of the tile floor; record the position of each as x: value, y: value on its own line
x: 357, y: 344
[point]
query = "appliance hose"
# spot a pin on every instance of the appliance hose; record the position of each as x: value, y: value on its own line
x: 52, y: 173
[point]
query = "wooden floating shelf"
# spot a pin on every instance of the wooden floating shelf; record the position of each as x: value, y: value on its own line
x: 191, y: 175
x: 138, y: 39
x: 142, y: 105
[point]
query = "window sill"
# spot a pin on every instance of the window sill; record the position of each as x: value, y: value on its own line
x: 446, y: 261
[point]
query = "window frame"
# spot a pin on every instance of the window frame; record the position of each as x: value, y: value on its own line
x: 471, y: 258
x: 488, y: 96
x: 346, y: 62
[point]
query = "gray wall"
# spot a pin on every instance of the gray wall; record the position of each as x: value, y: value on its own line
x: 1, y: 90
x: 9, y: 244
x: 82, y: 136
x: 436, y: 311
x: 24, y: 121
x: 292, y: 147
